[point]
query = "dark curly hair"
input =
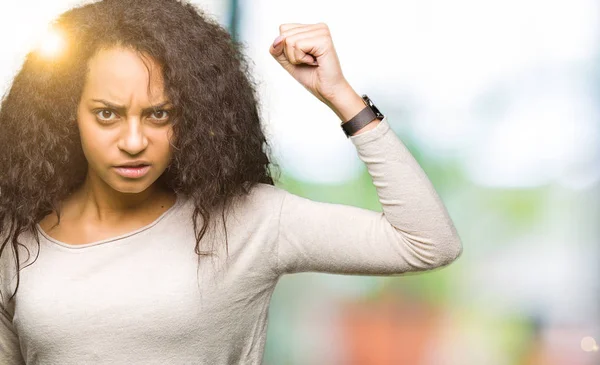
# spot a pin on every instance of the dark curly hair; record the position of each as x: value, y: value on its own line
x: 218, y: 140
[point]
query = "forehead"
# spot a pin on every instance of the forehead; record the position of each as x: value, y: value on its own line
x: 123, y: 75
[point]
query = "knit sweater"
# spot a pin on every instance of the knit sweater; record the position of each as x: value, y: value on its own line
x: 145, y: 297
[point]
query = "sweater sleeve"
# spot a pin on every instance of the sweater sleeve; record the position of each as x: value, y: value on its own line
x: 413, y: 233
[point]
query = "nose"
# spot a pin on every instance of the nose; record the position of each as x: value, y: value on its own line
x: 133, y: 140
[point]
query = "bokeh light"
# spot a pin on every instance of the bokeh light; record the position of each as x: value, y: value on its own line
x: 588, y: 344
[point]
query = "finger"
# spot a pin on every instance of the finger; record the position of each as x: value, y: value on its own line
x: 278, y: 53
x: 301, y: 34
x: 313, y: 47
x: 288, y: 52
x: 306, y: 28
x: 293, y: 29
x: 307, y: 33
x: 302, y: 57
x: 293, y: 54
x: 276, y: 47
x: 285, y: 27
x: 284, y: 49
x: 297, y: 55
x: 321, y: 28
x: 303, y: 49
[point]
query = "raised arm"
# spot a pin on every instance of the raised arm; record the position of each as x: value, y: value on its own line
x: 413, y: 233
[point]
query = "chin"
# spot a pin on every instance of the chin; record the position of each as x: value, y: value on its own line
x: 131, y: 186
x: 130, y: 189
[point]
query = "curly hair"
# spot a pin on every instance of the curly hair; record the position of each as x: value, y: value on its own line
x: 218, y: 140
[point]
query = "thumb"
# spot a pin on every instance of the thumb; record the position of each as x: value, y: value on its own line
x: 276, y: 51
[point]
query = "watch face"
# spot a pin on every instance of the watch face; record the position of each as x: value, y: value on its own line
x: 373, y: 107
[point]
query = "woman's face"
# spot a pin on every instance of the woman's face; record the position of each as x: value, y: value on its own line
x: 117, y: 123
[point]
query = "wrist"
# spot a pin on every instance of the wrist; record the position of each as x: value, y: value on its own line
x: 368, y: 118
x: 346, y: 103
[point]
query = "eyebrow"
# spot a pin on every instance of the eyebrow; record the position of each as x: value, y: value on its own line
x: 121, y: 108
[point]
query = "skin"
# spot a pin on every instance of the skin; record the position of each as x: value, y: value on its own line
x: 108, y: 204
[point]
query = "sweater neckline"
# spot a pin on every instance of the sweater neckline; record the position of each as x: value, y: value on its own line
x: 178, y: 202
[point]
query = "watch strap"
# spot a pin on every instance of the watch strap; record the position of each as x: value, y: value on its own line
x: 364, y: 117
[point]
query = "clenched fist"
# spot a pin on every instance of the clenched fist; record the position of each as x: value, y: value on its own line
x: 306, y: 51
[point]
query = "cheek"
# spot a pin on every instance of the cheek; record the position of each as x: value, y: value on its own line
x: 91, y: 142
x: 164, y: 151
x: 164, y: 148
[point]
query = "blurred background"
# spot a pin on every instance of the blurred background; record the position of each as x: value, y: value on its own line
x: 499, y: 103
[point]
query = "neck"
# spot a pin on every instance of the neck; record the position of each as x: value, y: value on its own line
x: 102, y: 203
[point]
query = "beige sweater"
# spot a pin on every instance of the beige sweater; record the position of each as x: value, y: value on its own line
x: 139, y: 299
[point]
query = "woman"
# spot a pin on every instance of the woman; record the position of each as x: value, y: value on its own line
x: 141, y: 223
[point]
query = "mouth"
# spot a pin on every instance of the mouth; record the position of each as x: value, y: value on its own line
x: 134, y: 165
x: 133, y: 172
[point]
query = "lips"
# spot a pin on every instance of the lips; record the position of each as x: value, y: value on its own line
x: 133, y: 172
x: 134, y: 164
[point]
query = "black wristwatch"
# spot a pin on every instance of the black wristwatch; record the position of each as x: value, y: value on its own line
x: 364, y: 117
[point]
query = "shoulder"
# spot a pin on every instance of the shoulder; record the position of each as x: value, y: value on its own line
x: 262, y: 199
x: 266, y: 193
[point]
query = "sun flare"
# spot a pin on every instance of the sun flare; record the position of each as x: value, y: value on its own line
x: 52, y: 43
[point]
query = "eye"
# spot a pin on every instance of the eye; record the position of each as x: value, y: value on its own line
x: 104, y: 115
x: 160, y: 115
